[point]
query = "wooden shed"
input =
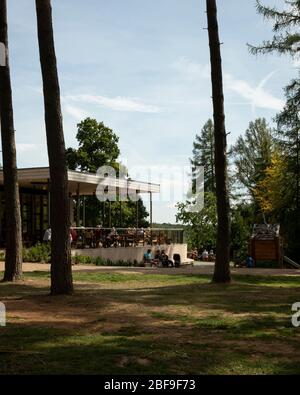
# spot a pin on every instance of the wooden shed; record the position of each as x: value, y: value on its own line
x: 266, y: 243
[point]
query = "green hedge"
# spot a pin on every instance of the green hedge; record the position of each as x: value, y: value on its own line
x: 87, y: 260
x: 41, y: 253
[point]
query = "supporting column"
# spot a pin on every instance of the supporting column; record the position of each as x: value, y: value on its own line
x: 72, y: 208
x: 83, y: 215
x: 151, y: 211
x: 48, y: 203
x: 137, y: 214
x: 121, y: 219
x: 78, y: 205
x: 109, y: 214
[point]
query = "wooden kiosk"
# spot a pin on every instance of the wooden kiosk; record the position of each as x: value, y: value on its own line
x: 266, y: 243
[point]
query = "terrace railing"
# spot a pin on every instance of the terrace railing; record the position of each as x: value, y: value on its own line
x: 82, y: 237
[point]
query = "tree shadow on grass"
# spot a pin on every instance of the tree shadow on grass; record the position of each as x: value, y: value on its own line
x: 52, y: 351
x: 147, y: 336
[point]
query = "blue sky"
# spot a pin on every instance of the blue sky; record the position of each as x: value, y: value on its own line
x: 142, y: 67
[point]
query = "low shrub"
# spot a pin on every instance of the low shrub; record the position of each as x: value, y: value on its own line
x: 40, y: 253
x: 98, y: 261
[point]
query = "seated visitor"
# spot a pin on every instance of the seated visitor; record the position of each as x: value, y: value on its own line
x: 164, y: 259
x: 112, y: 237
x: 211, y: 255
x: 89, y: 237
x: 157, y: 257
x: 98, y: 236
x: 205, y: 255
x: 148, y: 259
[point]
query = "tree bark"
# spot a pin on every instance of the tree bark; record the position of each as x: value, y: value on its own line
x: 222, y: 267
x: 61, y: 269
x: 13, y: 257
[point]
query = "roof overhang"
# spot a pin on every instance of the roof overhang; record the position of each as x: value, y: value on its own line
x: 84, y: 183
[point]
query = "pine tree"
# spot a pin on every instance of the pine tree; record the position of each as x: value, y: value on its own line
x: 61, y: 269
x: 222, y: 266
x: 204, y: 155
x: 289, y: 137
x: 286, y: 39
x: 13, y: 257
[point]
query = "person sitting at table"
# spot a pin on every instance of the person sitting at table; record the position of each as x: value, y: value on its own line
x: 164, y: 259
x: 113, y: 237
x: 98, y: 236
x: 129, y: 239
x: 205, y: 255
x: 157, y: 258
x: 89, y: 238
x: 140, y: 233
x: 211, y: 255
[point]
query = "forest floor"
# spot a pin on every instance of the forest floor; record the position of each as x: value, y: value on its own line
x: 143, y: 322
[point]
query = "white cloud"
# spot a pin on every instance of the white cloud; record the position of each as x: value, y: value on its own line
x: 76, y: 112
x: 118, y: 103
x: 256, y: 96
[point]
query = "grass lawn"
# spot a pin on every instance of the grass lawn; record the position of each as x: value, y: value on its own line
x: 151, y: 324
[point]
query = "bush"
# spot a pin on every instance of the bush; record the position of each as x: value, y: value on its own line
x: 98, y: 261
x: 40, y: 253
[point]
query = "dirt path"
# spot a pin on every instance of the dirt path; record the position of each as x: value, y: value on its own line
x: 198, y: 269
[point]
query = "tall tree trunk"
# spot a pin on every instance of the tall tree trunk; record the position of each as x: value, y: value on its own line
x: 61, y: 269
x: 222, y: 267
x: 13, y: 257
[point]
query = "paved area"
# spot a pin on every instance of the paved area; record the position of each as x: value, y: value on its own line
x: 198, y: 268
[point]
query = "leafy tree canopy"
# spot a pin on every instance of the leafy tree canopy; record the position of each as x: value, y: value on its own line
x: 252, y: 153
x: 98, y: 146
x: 201, y: 227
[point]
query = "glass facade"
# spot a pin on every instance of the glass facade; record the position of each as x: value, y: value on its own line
x: 34, y: 212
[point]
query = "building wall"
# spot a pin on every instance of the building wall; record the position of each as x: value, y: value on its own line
x: 133, y: 253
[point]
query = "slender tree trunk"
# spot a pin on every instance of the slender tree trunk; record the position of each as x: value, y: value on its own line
x: 13, y: 257
x: 61, y: 269
x: 222, y: 267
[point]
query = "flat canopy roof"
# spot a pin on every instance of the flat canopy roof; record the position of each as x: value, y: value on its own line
x: 86, y: 183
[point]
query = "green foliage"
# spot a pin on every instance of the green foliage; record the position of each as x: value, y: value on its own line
x: 201, y: 227
x: 242, y: 219
x: 98, y: 146
x: 98, y: 261
x: 204, y: 155
x: 40, y: 253
x: 252, y: 153
x: 289, y: 138
x: 286, y: 39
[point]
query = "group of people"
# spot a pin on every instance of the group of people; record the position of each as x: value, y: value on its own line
x: 205, y: 256
x: 100, y: 237
x: 160, y: 259
x: 208, y: 256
